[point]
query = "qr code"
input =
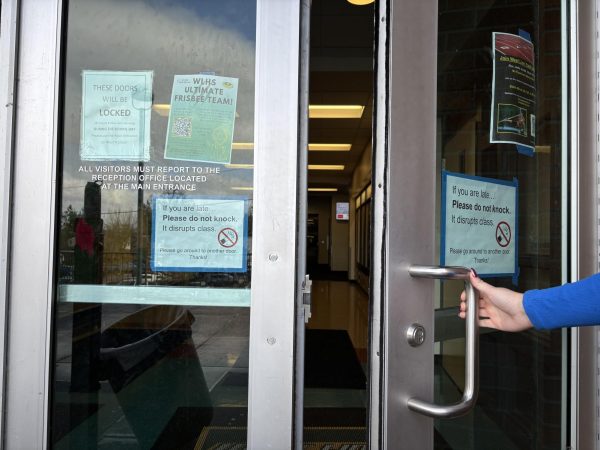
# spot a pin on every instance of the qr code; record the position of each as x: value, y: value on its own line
x: 182, y: 127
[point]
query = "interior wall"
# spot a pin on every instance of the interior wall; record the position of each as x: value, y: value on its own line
x: 321, y: 206
x: 339, y: 237
x: 361, y: 177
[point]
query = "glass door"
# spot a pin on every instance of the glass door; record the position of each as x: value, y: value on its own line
x: 163, y: 309
x: 474, y: 176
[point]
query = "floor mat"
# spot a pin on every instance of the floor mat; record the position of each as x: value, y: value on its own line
x: 315, y: 438
x: 330, y: 363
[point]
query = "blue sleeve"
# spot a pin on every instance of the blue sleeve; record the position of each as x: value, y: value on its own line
x: 571, y: 305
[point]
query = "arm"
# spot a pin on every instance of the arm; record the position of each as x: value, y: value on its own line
x: 571, y: 305
x: 574, y: 304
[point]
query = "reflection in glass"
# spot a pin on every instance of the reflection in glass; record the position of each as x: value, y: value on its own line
x: 149, y: 358
x: 520, y: 403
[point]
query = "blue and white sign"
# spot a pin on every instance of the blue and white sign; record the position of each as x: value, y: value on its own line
x: 479, y: 224
x: 199, y: 234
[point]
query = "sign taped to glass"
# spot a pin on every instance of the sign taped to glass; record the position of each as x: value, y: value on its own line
x: 115, y: 115
x: 199, y: 234
x: 513, y: 91
x: 201, y: 118
x: 479, y: 224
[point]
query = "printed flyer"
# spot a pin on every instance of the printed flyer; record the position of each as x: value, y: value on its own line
x: 115, y: 115
x: 479, y: 224
x: 199, y: 234
x: 202, y: 118
x: 513, y: 91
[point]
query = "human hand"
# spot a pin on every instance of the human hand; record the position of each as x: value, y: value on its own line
x: 499, y: 308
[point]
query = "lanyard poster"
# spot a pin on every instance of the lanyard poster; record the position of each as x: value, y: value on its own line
x: 115, y: 115
x: 201, y: 119
x: 513, y: 92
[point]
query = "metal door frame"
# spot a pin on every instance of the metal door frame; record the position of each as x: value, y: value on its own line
x: 583, y: 161
x: 390, y: 421
x: 8, y: 64
x: 30, y: 223
x: 401, y: 31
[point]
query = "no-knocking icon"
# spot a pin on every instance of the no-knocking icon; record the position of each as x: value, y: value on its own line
x: 503, y: 234
x: 227, y: 237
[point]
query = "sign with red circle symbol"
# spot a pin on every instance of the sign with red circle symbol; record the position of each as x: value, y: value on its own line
x: 227, y: 237
x: 503, y: 234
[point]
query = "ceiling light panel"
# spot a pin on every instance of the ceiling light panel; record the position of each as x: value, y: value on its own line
x: 335, y: 111
x: 326, y: 167
x: 329, y: 147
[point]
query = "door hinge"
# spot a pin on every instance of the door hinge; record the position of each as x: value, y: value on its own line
x: 307, y: 297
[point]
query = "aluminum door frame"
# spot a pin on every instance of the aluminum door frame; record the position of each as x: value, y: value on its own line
x: 8, y: 66
x: 405, y: 142
x: 30, y: 281
x: 33, y: 211
x: 273, y: 312
x: 583, y: 160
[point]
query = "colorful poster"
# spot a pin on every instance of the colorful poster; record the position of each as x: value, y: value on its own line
x: 202, y: 118
x: 479, y: 224
x: 115, y: 115
x: 199, y: 234
x: 513, y: 91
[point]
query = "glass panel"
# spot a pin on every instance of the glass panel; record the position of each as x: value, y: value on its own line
x: 508, y: 206
x: 151, y: 319
x: 336, y: 368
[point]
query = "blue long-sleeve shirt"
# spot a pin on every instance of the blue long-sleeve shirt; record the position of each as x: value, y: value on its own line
x: 571, y: 305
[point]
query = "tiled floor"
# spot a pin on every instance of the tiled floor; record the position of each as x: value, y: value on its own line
x: 342, y: 305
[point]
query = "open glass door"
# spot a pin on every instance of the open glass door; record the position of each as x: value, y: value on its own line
x: 473, y: 175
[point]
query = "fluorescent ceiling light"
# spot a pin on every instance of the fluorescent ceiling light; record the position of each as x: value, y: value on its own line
x: 314, y: 111
x: 326, y: 167
x: 335, y: 111
x: 243, y: 146
x: 242, y: 188
x: 361, y: 2
x: 322, y: 190
x: 329, y: 147
x: 312, y: 147
x: 163, y: 109
x: 239, y: 166
x: 310, y: 166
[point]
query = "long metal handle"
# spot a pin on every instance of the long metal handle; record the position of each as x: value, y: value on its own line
x: 472, y: 345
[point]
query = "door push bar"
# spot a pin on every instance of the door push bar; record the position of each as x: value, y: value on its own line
x: 472, y: 345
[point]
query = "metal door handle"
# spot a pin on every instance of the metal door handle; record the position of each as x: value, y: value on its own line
x: 472, y: 345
